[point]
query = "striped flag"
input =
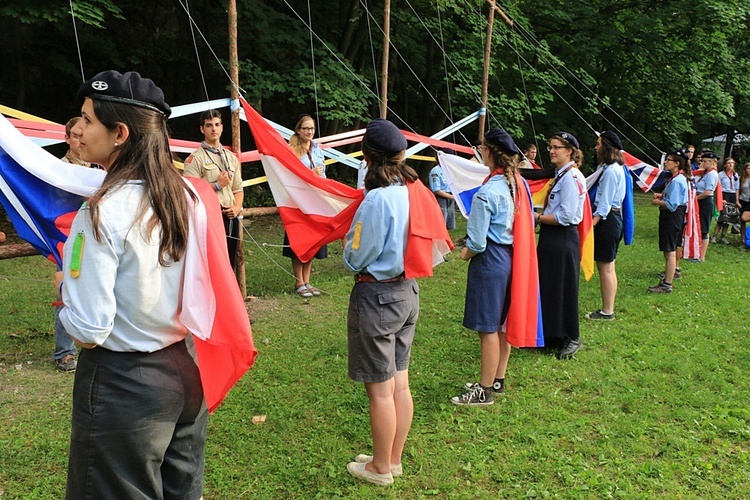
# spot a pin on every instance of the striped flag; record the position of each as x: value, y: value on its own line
x: 42, y: 195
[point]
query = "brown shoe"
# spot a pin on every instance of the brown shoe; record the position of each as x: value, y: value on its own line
x: 66, y: 364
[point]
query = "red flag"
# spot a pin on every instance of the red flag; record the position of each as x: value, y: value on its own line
x: 314, y: 210
x: 225, y: 352
x: 428, y: 239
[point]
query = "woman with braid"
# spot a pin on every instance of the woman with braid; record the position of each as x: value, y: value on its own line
x: 489, y: 247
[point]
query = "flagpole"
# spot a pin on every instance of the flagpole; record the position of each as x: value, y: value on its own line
x: 234, y: 74
x: 384, y: 62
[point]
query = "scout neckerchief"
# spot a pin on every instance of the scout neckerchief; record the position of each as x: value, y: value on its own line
x: 564, y: 170
x: 217, y: 151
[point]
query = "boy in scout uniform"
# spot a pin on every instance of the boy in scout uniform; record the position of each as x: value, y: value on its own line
x: 222, y: 170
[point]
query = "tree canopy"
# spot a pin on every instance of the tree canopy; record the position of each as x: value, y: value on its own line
x: 661, y: 72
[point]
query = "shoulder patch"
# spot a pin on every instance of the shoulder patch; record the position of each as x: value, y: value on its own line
x: 189, y: 159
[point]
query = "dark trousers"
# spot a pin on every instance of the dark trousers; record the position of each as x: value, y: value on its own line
x: 232, y: 228
x: 559, y: 256
x: 138, y: 426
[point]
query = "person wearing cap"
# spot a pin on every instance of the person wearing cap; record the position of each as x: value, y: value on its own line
x: 139, y: 415
x: 222, y: 170
x: 558, y: 250
x: 311, y: 155
x: 607, y: 219
x: 443, y: 194
x: 672, y: 203
x: 384, y: 305
x: 489, y: 248
x: 705, y: 186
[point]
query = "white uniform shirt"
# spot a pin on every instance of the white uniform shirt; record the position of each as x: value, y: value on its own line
x: 123, y: 300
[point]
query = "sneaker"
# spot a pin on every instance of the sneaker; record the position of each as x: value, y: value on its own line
x: 497, y: 387
x: 677, y: 275
x: 712, y: 240
x: 599, y: 315
x: 569, y: 348
x: 660, y: 288
x: 357, y: 469
x: 477, y: 396
x: 725, y: 241
x: 66, y: 363
x: 396, y: 469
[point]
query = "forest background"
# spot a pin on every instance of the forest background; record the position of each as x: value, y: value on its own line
x: 661, y: 72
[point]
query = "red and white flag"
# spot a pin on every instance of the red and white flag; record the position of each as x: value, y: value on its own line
x: 314, y: 210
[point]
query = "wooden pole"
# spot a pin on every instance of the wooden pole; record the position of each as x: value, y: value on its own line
x: 486, y: 71
x: 234, y: 74
x: 384, y: 62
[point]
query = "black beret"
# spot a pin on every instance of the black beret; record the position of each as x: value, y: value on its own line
x: 568, y: 137
x: 383, y: 136
x: 709, y: 154
x: 502, y: 139
x: 129, y: 88
x: 678, y: 152
x: 611, y: 138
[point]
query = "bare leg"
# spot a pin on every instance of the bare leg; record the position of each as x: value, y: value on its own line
x: 297, y: 270
x: 669, y: 271
x: 383, y: 424
x: 704, y: 248
x: 490, y: 344
x: 607, y: 285
x: 306, y: 270
x: 404, y: 414
x: 502, y: 364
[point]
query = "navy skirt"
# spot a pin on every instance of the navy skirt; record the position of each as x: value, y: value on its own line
x: 488, y: 288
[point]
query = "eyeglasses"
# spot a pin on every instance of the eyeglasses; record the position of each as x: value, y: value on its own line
x: 307, y: 129
x: 550, y: 148
x: 670, y: 159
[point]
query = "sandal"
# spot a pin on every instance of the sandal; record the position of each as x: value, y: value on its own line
x: 312, y: 289
x: 303, y: 291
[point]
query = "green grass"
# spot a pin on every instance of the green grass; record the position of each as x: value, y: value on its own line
x: 657, y: 403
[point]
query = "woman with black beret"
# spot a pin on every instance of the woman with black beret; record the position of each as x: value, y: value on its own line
x: 139, y: 415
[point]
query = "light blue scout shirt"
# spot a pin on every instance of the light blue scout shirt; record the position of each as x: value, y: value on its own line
x: 729, y: 183
x: 318, y: 158
x: 565, y: 200
x: 437, y: 180
x: 376, y: 241
x: 492, y: 214
x: 611, y: 190
x: 676, y: 193
x: 707, y: 182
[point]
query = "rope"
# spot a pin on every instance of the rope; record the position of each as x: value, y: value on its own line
x: 526, y: 94
x: 372, y: 50
x: 193, y: 23
x: 78, y: 44
x: 315, y: 81
x: 197, y: 55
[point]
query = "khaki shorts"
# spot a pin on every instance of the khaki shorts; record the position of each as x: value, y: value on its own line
x: 380, y: 328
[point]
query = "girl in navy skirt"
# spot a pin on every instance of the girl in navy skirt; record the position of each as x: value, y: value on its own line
x: 489, y: 247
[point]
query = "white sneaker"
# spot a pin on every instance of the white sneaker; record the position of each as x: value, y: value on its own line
x: 396, y: 469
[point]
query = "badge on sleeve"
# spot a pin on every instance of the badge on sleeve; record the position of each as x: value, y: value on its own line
x: 76, y: 255
x: 357, y: 235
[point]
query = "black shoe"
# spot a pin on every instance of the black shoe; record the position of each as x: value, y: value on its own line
x: 477, y: 396
x: 599, y: 315
x: 569, y: 348
x: 497, y: 387
x: 66, y: 364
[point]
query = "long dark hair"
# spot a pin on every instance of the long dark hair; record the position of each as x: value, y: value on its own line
x: 609, y: 154
x: 145, y: 156
x: 509, y: 164
x: 385, y: 168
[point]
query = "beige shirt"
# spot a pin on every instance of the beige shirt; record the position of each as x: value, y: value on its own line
x: 207, y: 165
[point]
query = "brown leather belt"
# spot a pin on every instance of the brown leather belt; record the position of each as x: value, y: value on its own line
x: 369, y: 278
